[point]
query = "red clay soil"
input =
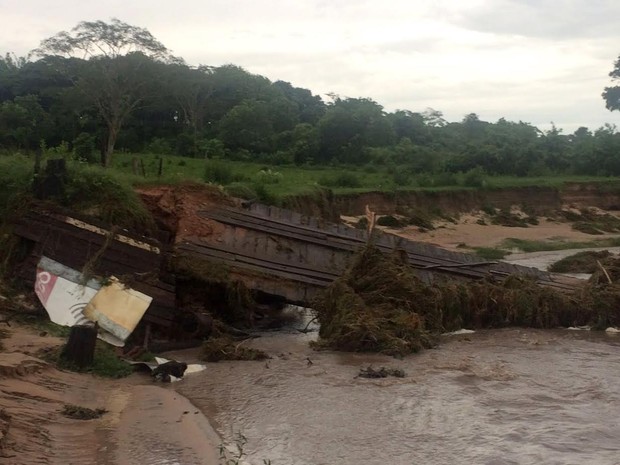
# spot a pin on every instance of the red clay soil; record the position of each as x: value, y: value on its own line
x: 175, y: 208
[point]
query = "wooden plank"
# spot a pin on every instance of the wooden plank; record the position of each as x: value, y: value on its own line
x: 268, y: 265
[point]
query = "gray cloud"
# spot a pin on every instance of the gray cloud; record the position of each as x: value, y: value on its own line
x: 552, y: 19
x: 531, y: 60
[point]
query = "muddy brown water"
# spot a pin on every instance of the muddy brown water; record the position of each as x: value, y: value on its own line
x: 511, y: 396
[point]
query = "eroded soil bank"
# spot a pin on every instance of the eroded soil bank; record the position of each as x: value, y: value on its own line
x: 538, y: 199
x: 143, y: 423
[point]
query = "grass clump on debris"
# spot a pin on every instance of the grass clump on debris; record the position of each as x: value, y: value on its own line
x: 81, y: 413
x: 581, y: 262
x: 222, y: 347
x: 105, y: 362
x: 379, y: 305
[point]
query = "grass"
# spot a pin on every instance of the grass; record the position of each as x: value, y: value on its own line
x: 90, y: 190
x: 581, y: 262
x: 105, y: 364
x: 541, y: 246
x: 295, y: 180
x: 93, y: 184
x: 491, y: 253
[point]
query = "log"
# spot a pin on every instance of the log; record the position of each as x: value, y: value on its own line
x: 79, y: 351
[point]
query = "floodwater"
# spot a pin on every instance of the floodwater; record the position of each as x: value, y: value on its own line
x: 542, y: 260
x: 514, y: 396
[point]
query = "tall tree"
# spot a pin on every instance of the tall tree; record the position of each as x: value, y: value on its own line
x: 612, y: 94
x: 112, y: 71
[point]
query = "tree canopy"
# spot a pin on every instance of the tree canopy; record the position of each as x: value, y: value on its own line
x: 112, y: 85
x: 612, y: 93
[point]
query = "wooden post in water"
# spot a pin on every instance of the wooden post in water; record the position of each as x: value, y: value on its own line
x: 80, y: 347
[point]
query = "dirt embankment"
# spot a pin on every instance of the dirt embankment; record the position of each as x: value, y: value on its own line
x: 176, y: 208
x: 537, y: 199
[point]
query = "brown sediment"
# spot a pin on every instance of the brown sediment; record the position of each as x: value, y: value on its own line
x: 175, y: 208
x: 142, y: 424
x: 473, y: 229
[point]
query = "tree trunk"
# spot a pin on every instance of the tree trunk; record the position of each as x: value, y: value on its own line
x: 113, y: 131
x: 80, y: 347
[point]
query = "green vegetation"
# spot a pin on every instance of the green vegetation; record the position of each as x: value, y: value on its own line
x: 106, y: 363
x: 581, y: 262
x: 80, y: 90
x: 540, y: 246
x: 491, y: 253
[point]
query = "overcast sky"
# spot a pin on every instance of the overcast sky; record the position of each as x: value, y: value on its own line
x: 532, y: 60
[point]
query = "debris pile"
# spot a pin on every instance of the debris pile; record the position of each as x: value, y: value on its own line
x: 81, y: 413
x: 379, y: 305
x: 223, y: 347
x: 382, y: 372
x: 581, y: 262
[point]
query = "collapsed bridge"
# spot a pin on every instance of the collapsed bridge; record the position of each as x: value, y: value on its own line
x: 283, y: 253
x: 277, y: 252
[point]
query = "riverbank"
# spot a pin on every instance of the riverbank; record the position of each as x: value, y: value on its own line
x: 473, y: 230
x: 144, y: 422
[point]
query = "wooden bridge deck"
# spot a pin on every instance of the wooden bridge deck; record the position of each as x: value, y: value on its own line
x: 293, y: 256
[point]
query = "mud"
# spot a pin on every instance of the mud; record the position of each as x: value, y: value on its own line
x: 137, y: 424
x: 494, y: 397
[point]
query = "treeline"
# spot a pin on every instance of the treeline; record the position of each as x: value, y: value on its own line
x: 139, y: 102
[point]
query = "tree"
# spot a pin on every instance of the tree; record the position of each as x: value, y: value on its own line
x: 111, y: 68
x: 22, y: 122
x: 247, y: 126
x: 612, y: 94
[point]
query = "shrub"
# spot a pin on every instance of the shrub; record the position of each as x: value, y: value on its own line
x: 389, y: 221
x: 84, y: 148
x: 241, y: 190
x: 218, y: 173
x: 475, y: 177
x: 160, y: 146
x: 424, y: 180
x: 401, y: 178
x: 445, y: 179
x: 342, y: 180
x: 266, y: 176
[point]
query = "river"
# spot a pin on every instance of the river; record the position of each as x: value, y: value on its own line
x: 514, y: 396
x: 493, y: 397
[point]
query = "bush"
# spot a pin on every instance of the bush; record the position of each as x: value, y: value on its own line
x: 241, y: 190
x: 401, y: 178
x: 424, y: 180
x: 213, y: 148
x: 84, y: 148
x: 266, y: 176
x: 160, y: 146
x: 16, y: 175
x: 475, y: 177
x: 445, y: 179
x: 390, y: 221
x: 342, y: 180
x: 98, y: 193
x: 218, y: 173
x: 264, y: 195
